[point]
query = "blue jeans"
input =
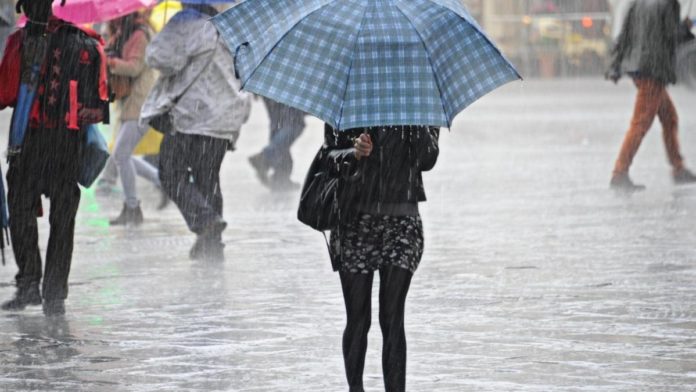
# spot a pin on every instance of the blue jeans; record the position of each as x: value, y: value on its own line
x: 287, y: 125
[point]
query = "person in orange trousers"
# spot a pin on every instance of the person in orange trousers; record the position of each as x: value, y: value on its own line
x: 646, y: 51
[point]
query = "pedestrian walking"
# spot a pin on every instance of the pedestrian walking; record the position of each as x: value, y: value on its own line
x: 646, y: 51
x: 199, y: 93
x: 286, y: 125
x: 131, y: 81
x: 54, y: 75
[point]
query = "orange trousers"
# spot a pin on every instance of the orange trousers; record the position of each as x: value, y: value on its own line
x: 652, y: 100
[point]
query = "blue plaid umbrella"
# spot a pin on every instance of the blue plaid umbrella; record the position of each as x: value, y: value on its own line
x: 360, y: 63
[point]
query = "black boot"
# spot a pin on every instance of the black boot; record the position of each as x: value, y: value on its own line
x: 622, y: 183
x: 24, y: 297
x: 208, y: 245
x: 207, y: 249
x: 684, y: 176
x: 128, y: 216
x: 54, y: 307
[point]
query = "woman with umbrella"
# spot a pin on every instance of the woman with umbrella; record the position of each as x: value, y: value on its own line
x: 383, y: 233
x: 384, y: 78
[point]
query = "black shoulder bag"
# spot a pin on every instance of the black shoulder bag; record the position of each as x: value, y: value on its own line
x: 319, y: 202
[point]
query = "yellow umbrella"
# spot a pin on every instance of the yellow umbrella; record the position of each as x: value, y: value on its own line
x: 160, y: 15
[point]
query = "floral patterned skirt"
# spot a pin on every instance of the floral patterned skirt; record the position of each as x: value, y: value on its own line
x: 371, y: 242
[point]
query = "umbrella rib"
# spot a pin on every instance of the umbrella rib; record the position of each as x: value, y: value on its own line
x: 265, y: 57
x: 350, y: 70
x: 432, y: 68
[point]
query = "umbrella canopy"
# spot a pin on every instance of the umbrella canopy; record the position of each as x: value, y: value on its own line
x: 92, y: 11
x: 162, y: 13
x: 359, y: 63
x: 207, y: 1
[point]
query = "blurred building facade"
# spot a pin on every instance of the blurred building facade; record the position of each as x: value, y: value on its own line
x: 550, y: 38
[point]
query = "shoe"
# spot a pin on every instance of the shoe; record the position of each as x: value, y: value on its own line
x: 684, y: 177
x: 208, y: 245
x: 23, y: 298
x: 283, y: 185
x: 214, y: 251
x: 129, y: 216
x: 258, y: 162
x: 55, y: 307
x: 196, y: 252
x: 163, y: 201
x: 207, y: 249
x: 622, y: 183
x: 215, y: 228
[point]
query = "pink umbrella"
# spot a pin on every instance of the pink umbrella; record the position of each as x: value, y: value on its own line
x: 93, y: 11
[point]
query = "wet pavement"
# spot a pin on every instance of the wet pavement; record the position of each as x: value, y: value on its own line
x: 535, y: 276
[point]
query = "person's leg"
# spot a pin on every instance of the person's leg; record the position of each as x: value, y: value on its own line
x: 281, y: 161
x: 207, y: 171
x: 206, y: 180
x: 180, y: 182
x: 107, y: 181
x: 357, y: 295
x: 23, y: 199
x: 393, y: 288
x: 287, y: 124
x: 110, y: 172
x: 669, y: 119
x: 146, y: 170
x: 648, y: 101
x: 65, y: 200
x: 129, y: 136
x: 260, y: 161
x: 173, y: 171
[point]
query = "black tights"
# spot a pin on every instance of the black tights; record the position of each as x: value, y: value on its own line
x: 357, y: 294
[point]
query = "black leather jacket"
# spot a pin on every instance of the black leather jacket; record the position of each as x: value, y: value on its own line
x: 389, y: 181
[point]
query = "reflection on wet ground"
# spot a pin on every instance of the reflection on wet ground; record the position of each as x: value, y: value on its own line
x: 535, y: 277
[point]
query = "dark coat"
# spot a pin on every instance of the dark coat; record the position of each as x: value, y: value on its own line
x: 648, y: 41
x: 389, y: 181
x: 71, y: 94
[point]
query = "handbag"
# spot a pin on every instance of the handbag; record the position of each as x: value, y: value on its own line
x: 325, y: 199
x: 120, y: 86
x: 95, y: 153
x: 162, y: 122
x: 319, y: 206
